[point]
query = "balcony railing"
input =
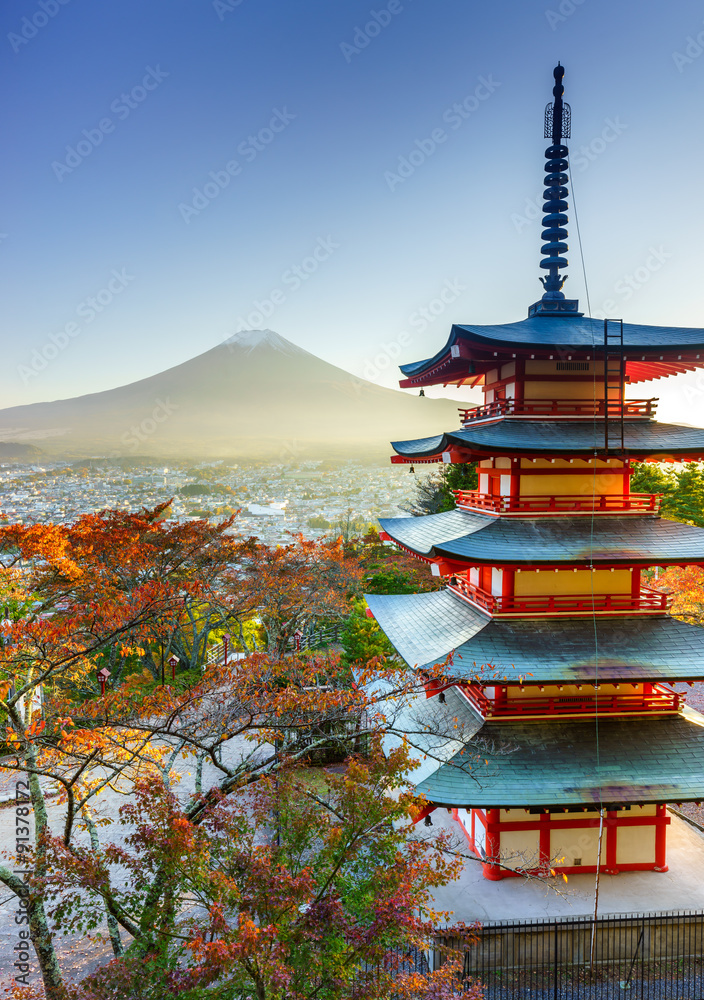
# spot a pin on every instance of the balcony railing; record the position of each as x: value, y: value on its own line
x: 647, y: 600
x: 660, y: 699
x: 632, y: 408
x: 578, y: 503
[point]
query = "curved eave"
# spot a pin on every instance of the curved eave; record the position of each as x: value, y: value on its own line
x: 463, y: 537
x: 650, y: 351
x: 425, y: 629
x: 515, y: 436
x: 562, y: 763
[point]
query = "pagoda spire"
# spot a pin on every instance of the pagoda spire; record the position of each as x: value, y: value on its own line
x: 558, y: 117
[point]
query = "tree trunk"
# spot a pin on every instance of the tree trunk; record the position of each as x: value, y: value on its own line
x: 43, y: 942
x: 113, y: 926
x: 39, y: 932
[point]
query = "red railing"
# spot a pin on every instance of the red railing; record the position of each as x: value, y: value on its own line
x: 660, y: 699
x: 558, y: 408
x: 647, y: 600
x: 605, y: 503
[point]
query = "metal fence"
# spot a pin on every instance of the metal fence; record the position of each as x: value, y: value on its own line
x: 644, y: 955
x: 316, y: 638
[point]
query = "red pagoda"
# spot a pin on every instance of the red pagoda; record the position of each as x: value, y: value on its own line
x: 560, y: 653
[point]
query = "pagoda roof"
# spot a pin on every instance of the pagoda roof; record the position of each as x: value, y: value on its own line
x: 426, y: 628
x: 478, y: 539
x: 573, y: 438
x: 532, y: 764
x: 650, y: 351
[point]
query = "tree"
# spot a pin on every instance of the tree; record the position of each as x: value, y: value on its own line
x: 307, y: 885
x: 434, y: 491
x: 388, y: 569
x: 348, y: 526
x: 362, y: 639
x: 113, y: 582
x: 105, y: 582
x: 318, y: 522
x: 682, y: 489
x: 686, y: 586
x: 293, y: 585
x: 274, y: 713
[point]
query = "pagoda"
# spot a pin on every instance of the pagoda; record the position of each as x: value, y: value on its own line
x: 557, y: 650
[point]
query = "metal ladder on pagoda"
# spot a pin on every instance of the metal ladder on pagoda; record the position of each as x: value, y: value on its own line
x: 614, y: 385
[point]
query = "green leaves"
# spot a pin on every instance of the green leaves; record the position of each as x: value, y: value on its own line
x: 682, y: 489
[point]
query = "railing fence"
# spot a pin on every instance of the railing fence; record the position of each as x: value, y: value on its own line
x: 649, y: 956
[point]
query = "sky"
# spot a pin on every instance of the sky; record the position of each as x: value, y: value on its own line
x: 355, y: 176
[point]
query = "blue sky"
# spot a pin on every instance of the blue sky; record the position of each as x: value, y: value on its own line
x: 174, y: 170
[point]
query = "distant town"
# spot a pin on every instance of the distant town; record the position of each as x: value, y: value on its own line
x: 276, y: 501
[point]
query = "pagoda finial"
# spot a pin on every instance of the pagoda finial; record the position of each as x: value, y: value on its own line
x: 558, y: 117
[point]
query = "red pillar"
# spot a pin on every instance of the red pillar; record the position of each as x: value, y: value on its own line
x: 611, y: 837
x: 544, y: 840
x: 661, y: 839
x: 492, y: 870
x: 519, y: 392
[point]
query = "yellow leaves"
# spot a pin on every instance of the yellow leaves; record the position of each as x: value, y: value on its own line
x: 126, y: 651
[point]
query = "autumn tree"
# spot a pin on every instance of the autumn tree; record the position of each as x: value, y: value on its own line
x: 296, y: 584
x: 103, y: 582
x: 306, y: 885
x: 114, y: 581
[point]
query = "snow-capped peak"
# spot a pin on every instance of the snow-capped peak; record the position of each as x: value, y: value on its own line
x: 250, y: 340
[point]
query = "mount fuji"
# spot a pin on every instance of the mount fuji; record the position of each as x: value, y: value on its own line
x: 255, y: 395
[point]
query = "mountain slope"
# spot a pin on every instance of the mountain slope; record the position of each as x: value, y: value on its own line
x: 254, y: 395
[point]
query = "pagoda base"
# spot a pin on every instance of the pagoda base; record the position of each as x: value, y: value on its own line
x: 473, y: 897
x: 534, y: 842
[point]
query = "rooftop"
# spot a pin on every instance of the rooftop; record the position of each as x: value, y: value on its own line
x: 479, y: 539
x: 649, y: 351
x: 426, y: 628
x: 573, y: 438
x: 574, y: 762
